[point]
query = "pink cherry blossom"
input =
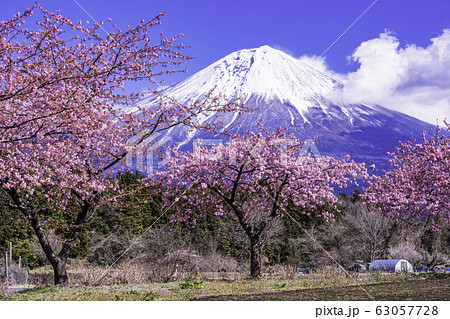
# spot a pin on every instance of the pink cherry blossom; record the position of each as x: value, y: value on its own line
x: 417, y: 189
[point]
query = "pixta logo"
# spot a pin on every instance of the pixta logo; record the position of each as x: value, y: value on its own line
x: 149, y: 154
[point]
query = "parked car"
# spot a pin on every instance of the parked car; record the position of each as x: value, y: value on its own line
x: 357, y: 268
x: 304, y: 271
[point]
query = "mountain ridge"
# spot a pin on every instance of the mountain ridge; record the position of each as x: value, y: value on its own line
x: 286, y: 92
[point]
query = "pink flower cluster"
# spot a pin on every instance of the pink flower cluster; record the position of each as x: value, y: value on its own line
x: 62, y: 128
x: 254, y: 178
x: 417, y: 189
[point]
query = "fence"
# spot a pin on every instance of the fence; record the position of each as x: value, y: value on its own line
x: 12, y: 273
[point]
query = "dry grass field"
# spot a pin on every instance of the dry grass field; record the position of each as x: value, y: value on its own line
x: 127, y: 282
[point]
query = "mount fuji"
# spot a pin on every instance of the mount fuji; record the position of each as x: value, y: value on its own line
x: 288, y: 93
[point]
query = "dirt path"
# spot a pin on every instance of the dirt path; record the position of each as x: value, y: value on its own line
x: 426, y: 289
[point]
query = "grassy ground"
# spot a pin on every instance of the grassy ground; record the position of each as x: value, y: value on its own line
x: 309, y: 287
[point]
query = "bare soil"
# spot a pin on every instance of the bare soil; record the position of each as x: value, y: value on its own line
x: 435, y: 288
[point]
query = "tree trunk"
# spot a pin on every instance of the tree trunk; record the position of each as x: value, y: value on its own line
x: 59, y: 269
x: 255, y: 257
x: 59, y: 261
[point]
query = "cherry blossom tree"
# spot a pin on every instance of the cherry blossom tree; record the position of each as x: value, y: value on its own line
x: 63, y: 120
x: 253, y: 179
x: 417, y: 189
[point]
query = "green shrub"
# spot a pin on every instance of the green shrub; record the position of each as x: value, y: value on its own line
x: 189, y: 283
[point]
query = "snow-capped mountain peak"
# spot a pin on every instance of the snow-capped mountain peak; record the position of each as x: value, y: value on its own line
x: 264, y: 72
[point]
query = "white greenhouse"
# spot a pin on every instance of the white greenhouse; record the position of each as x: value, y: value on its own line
x: 391, y: 265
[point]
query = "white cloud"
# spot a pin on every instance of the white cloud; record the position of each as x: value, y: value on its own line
x: 413, y: 80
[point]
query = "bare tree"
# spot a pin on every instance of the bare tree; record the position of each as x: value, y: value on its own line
x: 419, y: 246
x: 369, y: 233
x: 361, y: 233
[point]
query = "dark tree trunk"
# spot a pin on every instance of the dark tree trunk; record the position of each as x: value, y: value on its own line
x: 255, y: 257
x: 60, y: 273
x: 58, y: 262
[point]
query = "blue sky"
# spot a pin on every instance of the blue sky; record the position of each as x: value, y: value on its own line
x: 217, y: 28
